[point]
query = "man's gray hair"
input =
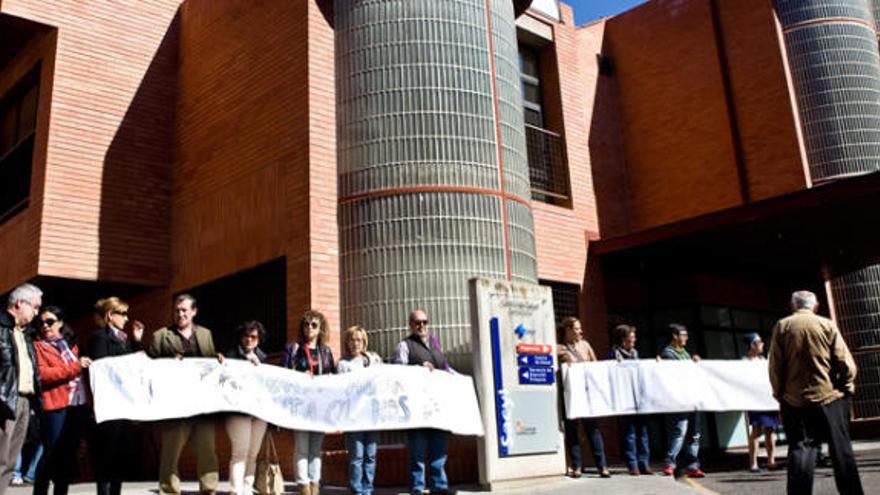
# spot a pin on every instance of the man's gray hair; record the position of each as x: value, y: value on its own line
x: 803, y: 299
x: 24, y: 292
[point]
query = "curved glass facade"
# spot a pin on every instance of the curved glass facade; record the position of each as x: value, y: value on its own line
x: 835, y: 66
x: 425, y: 204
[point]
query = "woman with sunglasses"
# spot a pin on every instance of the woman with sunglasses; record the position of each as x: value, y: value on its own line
x: 310, y: 354
x: 245, y: 432
x: 65, y: 402
x: 115, y: 442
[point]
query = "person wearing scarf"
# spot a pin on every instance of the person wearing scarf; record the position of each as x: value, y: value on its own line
x: 633, y: 428
x: 65, y: 402
x: 310, y: 354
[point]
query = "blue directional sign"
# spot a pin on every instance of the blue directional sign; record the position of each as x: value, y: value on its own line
x: 535, y: 360
x: 531, y: 375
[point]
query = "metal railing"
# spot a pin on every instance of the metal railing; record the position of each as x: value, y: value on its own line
x: 548, y: 166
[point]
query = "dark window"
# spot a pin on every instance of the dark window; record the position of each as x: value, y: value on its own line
x: 530, y: 78
x: 565, y: 299
x: 18, y: 117
x: 548, y: 170
x: 255, y: 294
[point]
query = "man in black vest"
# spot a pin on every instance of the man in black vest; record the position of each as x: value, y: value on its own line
x: 423, y: 349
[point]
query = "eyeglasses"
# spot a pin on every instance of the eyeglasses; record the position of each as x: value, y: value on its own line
x: 251, y: 337
x: 418, y: 323
x: 121, y: 313
x: 312, y: 324
x: 48, y: 322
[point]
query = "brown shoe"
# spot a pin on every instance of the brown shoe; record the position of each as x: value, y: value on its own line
x: 316, y: 488
x: 646, y: 471
x: 304, y: 489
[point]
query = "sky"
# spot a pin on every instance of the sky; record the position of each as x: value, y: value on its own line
x: 588, y: 10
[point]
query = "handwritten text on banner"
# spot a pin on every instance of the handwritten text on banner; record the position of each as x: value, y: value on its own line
x: 387, y: 397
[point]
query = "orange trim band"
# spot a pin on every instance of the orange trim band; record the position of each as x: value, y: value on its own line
x: 813, y: 22
x: 421, y: 189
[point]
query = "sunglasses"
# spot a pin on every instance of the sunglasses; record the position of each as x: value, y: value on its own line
x: 312, y: 324
x: 418, y: 323
x: 121, y: 313
x: 48, y: 322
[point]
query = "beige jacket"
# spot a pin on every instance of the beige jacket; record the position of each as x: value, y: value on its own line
x: 809, y: 361
x: 576, y: 353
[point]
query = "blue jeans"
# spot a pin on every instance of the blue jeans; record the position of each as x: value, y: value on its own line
x: 361, y: 461
x: 51, y: 425
x: 32, y: 467
x: 683, y: 429
x: 434, y: 442
x: 574, y: 444
x: 636, y: 449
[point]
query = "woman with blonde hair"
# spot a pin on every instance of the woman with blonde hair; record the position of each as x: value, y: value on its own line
x: 310, y: 354
x: 362, y: 445
x: 114, y: 443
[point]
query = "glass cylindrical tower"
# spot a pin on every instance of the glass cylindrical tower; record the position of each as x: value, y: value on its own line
x: 835, y: 66
x: 433, y: 172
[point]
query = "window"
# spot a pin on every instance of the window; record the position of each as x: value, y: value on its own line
x: 565, y: 299
x: 530, y: 77
x: 548, y: 170
x: 18, y: 118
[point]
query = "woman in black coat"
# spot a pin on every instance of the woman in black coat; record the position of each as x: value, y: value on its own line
x: 114, y: 443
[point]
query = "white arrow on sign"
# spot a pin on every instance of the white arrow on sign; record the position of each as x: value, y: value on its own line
x: 524, y: 360
x: 525, y: 373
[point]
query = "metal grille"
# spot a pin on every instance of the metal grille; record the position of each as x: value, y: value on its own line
x: 548, y: 171
x: 415, y: 109
x: 836, y: 73
x: 857, y: 304
x: 866, y: 401
x: 565, y: 299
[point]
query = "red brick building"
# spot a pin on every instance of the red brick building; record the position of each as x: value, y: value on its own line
x: 158, y: 147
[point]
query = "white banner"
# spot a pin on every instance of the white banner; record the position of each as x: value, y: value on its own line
x: 387, y: 397
x: 611, y: 388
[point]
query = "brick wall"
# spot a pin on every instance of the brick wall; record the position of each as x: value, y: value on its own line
x: 106, y: 157
x: 675, y: 122
x: 561, y: 232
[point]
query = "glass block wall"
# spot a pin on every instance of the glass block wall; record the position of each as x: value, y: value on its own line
x: 425, y: 202
x: 833, y: 55
x: 835, y: 66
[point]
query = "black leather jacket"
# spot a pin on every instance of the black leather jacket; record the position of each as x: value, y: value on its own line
x: 9, y: 369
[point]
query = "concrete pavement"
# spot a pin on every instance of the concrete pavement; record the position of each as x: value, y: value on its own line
x: 726, y: 475
x: 620, y: 484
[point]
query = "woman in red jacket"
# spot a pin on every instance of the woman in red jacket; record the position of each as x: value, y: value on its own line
x: 65, y: 405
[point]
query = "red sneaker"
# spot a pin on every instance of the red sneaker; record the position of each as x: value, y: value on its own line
x: 695, y: 473
x: 668, y: 471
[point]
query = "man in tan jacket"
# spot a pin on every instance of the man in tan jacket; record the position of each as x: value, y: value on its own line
x: 183, y: 340
x: 813, y: 375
